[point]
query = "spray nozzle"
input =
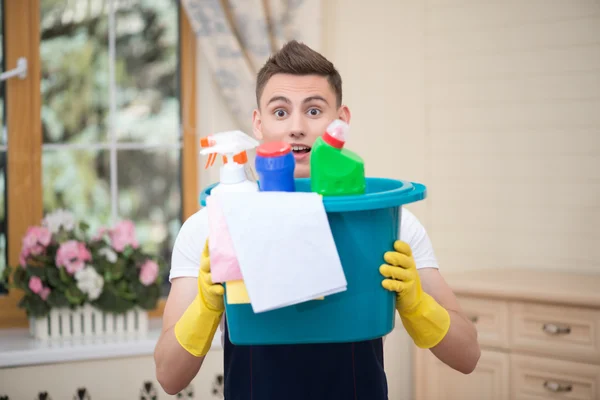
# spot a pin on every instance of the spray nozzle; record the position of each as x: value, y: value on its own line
x: 232, y: 145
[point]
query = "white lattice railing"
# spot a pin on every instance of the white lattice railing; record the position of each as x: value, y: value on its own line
x: 87, y: 321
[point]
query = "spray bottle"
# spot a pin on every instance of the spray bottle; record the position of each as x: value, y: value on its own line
x: 235, y: 175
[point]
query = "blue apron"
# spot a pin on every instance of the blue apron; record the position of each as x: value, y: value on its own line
x: 341, y: 371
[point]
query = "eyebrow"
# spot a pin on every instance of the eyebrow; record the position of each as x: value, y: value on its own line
x: 313, y: 98
x: 279, y: 98
x: 306, y: 100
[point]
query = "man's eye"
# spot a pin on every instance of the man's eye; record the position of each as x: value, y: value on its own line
x: 313, y: 112
x: 280, y: 113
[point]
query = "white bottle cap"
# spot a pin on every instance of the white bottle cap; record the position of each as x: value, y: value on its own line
x: 338, y: 129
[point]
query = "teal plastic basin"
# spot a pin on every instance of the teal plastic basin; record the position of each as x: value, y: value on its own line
x: 364, y: 227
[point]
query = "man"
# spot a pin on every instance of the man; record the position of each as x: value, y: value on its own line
x: 299, y: 93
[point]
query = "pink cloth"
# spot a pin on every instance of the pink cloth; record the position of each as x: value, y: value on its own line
x: 224, y: 266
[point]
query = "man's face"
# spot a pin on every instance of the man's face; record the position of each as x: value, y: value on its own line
x: 297, y: 110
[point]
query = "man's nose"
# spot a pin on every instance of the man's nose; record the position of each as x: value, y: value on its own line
x: 297, y: 130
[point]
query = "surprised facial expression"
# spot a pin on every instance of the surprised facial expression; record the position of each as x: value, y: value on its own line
x: 297, y: 109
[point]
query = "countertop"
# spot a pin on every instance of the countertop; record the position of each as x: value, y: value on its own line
x: 546, y: 286
x: 18, y: 348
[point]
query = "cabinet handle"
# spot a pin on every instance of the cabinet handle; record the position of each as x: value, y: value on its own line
x: 554, y: 329
x: 217, y: 389
x: 474, y: 318
x: 556, y: 387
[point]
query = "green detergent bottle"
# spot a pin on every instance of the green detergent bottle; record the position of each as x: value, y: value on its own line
x: 335, y: 171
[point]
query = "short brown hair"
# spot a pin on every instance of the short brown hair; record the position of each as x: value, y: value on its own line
x: 296, y: 58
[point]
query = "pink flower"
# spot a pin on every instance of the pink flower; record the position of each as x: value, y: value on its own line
x: 99, y: 234
x: 35, y: 241
x: 44, y: 293
x: 72, y: 255
x: 35, y: 284
x: 23, y: 257
x: 122, y: 235
x: 148, y: 273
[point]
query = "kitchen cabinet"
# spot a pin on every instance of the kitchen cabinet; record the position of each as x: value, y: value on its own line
x: 539, y: 332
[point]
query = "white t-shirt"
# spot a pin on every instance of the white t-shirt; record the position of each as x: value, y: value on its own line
x: 189, y: 244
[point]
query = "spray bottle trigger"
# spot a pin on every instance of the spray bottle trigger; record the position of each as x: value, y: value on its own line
x: 210, y: 160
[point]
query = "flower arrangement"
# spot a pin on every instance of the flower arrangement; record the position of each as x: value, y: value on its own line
x: 61, y: 265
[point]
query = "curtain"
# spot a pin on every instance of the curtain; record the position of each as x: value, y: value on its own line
x: 238, y: 36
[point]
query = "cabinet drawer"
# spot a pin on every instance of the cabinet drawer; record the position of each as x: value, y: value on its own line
x: 490, y: 317
x: 534, y: 378
x: 124, y: 378
x: 557, y: 331
x: 437, y: 381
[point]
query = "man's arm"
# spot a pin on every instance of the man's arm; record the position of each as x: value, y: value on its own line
x: 175, y: 367
x: 429, y: 310
x: 459, y: 349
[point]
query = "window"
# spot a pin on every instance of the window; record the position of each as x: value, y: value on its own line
x: 116, y: 133
x: 110, y: 115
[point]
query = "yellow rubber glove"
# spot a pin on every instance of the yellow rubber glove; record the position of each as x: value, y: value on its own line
x: 197, y: 326
x: 425, y: 320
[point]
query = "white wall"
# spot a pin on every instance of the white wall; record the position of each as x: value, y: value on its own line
x: 495, y: 106
x: 213, y: 116
x: 514, y: 100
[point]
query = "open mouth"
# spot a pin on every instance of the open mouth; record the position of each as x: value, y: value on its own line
x: 300, y: 149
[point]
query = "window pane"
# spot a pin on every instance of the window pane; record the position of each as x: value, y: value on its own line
x: 78, y: 181
x: 74, y: 62
x: 3, y: 227
x: 147, y: 63
x: 150, y: 195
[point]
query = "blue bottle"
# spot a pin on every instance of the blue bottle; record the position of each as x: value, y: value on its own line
x: 275, y: 166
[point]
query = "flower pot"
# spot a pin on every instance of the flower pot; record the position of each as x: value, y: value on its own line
x: 88, y: 321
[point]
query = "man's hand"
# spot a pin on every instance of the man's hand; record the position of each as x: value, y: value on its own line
x: 403, y: 277
x: 197, y: 326
x: 426, y: 321
x: 212, y: 293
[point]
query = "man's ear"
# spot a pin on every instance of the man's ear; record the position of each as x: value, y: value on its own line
x: 257, y: 124
x: 344, y: 114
